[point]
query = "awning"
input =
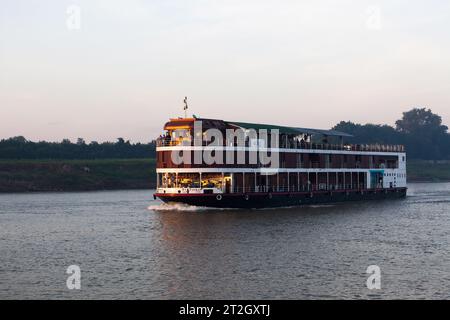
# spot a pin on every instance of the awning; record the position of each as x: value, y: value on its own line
x: 290, y: 130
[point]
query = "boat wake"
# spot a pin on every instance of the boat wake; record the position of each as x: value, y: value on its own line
x: 181, y: 207
x: 172, y: 206
x: 320, y: 205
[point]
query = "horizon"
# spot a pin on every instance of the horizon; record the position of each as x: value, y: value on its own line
x: 106, y: 69
x: 73, y: 140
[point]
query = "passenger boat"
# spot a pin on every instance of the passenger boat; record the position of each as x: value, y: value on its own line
x: 228, y: 164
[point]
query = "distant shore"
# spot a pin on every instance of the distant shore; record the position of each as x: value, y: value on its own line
x: 122, y: 174
x: 76, y: 175
x: 428, y: 171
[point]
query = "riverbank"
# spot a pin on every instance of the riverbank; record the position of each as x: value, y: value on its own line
x: 428, y: 171
x: 118, y: 174
x: 76, y: 175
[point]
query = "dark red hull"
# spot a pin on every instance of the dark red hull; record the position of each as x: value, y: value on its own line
x: 281, y: 199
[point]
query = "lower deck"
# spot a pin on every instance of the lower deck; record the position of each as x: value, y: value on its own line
x: 237, y: 182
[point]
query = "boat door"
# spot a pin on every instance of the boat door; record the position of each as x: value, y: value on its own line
x: 376, y: 179
x: 227, y: 183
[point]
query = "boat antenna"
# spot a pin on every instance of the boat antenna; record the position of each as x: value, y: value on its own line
x: 185, y: 107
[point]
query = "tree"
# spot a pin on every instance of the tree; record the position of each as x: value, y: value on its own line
x: 369, y: 133
x: 420, y: 120
x: 18, y: 139
x: 21, y: 148
x: 420, y: 130
x: 426, y: 136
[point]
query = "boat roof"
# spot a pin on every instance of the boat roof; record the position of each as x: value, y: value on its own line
x: 290, y: 130
x: 186, y: 123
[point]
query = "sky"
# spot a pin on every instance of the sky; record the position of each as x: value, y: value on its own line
x: 103, y: 69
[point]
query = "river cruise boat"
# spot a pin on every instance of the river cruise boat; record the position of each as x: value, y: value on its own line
x: 228, y: 164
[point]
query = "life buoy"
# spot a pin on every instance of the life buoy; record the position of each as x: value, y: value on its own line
x: 247, y: 197
x: 270, y: 196
x: 219, y: 197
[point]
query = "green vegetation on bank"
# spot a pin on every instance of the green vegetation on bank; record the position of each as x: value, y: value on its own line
x: 21, y: 148
x: 115, y: 174
x: 76, y: 175
x: 428, y: 171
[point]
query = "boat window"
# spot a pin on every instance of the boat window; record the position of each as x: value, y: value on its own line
x: 168, y: 180
x: 181, y: 136
x: 212, y: 180
x: 189, y: 180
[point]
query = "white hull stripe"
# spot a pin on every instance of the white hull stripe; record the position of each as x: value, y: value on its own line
x: 279, y: 150
x: 260, y: 170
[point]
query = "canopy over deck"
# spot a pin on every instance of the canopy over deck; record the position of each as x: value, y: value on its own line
x: 291, y: 130
x: 188, y: 123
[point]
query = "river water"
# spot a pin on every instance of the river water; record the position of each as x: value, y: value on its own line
x: 129, y: 246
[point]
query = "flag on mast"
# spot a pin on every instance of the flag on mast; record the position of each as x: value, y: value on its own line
x: 185, y: 107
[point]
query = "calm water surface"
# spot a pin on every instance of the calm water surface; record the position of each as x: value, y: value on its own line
x: 129, y: 246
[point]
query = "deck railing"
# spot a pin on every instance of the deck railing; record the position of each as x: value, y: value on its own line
x: 270, y: 189
x: 300, y: 188
x: 167, y: 142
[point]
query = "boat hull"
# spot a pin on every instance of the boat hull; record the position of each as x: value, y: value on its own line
x: 280, y: 199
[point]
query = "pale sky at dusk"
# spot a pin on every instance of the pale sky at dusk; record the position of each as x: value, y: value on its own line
x: 304, y: 63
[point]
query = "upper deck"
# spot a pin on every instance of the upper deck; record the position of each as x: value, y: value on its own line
x: 180, y: 132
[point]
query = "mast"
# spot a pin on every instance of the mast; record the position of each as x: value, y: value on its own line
x: 185, y: 107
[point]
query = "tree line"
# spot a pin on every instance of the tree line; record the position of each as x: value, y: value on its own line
x: 21, y: 148
x: 420, y: 130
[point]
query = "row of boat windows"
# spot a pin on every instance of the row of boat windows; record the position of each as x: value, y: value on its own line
x: 398, y: 175
x: 284, y: 160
